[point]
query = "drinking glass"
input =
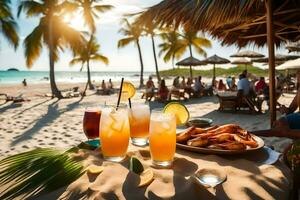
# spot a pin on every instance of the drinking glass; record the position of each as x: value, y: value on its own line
x: 162, y: 139
x: 91, y: 122
x: 139, y: 119
x: 114, y: 133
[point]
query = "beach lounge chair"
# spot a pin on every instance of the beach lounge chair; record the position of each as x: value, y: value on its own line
x: 5, y: 98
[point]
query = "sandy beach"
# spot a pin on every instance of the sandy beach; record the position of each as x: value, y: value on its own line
x: 46, y: 122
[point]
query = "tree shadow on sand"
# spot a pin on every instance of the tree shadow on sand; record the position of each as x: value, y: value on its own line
x: 52, y: 114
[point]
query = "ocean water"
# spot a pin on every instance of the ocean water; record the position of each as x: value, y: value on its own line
x: 9, y: 77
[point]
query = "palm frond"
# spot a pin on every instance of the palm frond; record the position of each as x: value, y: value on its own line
x: 103, y: 8
x: 33, y: 45
x: 125, y: 41
x: 31, y: 8
x: 77, y: 60
x: 9, y: 30
x: 37, y: 171
x: 101, y: 58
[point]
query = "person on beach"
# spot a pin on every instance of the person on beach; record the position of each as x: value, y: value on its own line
x: 233, y: 86
x: 243, y: 84
x: 198, y: 86
x: 288, y: 125
x: 228, y: 81
x: 24, y: 82
x: 221, y: 85
x: 110, y: 87
x: 163, y: 91
x: 104, y: 88
x: 260, y: 85
x: 182, y: 83
x: 150, y: 89
x: 188, y: 88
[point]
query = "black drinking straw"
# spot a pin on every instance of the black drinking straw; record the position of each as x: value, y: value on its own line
x: 120, y: 93
x: 129, y: 101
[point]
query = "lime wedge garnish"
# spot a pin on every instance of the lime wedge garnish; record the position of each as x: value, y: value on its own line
x: 135, y: 165
x: 179, y: 110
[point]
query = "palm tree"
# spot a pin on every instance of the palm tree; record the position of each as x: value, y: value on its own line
x: 89, y: 52
x: 51, y: 31
x: 90, y: 11
x: 191, y: 39
x: 8, y: 26
x: 172, y: 46
x: 150, y: 30
x: 133, y: 34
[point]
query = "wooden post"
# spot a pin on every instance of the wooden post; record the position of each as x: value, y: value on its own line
x: 270, y: 38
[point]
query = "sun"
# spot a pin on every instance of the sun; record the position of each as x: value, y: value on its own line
x: 76, y: 21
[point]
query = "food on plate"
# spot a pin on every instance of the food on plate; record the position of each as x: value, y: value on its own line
x: 227, y: 137
x: 185, y: 135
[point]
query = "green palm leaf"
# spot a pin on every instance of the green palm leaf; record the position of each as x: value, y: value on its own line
x: 34, y: 172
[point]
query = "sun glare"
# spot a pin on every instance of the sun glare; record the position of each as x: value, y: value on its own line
x: 75, y: 21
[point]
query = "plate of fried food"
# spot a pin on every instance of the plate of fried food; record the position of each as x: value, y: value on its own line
x: 225, y: 139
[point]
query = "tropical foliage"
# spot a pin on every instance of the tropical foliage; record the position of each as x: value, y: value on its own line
x: 37, y: 171
x: 132, y: 34
x: 51, y: 31
x: 90, y: 51
x: 173, y: 47
x: 90, y: 9
x: 8, y: 26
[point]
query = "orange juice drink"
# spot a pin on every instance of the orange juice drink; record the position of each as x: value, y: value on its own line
x: 114, y: 133
x: 162, y: 138
x: 139, y: 119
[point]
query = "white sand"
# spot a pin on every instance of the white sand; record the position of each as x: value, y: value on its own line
x: 46, y: 122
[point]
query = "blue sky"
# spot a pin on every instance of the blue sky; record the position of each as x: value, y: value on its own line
x: 125, y: 59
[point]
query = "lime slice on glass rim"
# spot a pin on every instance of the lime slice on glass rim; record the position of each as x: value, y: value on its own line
x: 179, y: 110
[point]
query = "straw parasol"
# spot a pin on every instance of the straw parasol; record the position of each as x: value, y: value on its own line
x: 190, y: 61
x: 215, y: 60
x: 293, y: 47
x: 242, y: 61
x: 279, y: 59
x: 238, y: 22
x: 291, y: 64
x: 248, y: 54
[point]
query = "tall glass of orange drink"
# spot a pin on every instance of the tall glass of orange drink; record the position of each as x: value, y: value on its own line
x: 139, y: 119
x: 114, y: 133
x: 162, y: 139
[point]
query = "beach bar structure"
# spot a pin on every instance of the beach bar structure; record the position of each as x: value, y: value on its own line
x: 239, y: 22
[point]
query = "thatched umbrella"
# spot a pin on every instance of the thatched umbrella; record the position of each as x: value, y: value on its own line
x: 190, y: 61
x: 279, y: 59
x: 248, y: 54
x: 293, y: 47
x: 291, y: 64
x: 241, y: 61
x: 215, y: 60
x: 236, y: 22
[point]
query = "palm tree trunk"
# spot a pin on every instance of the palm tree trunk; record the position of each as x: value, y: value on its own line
x: 155, y: 59
x: 142, y: 65
x: 214, y: 76
x: 54, y: 89
x: 191, y: 54
x: 91, y: 86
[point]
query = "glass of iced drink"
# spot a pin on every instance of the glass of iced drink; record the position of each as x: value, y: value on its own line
x: 114, y: 133
x: 162, y: 139
x: 91, y: 122
x: 139, y: 119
